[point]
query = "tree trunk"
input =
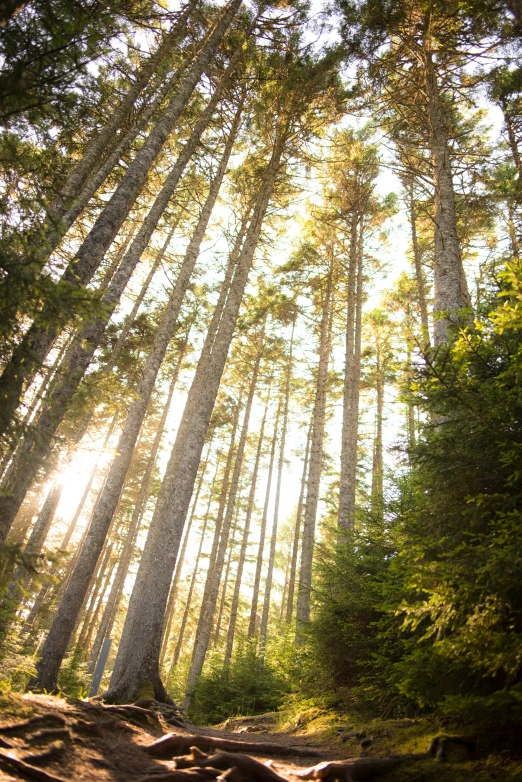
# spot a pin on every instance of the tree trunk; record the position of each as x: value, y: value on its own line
x: 141, y: 641
x: 252, y: 624
x: 377, y: 466
x: 89, y: 339
x: 297, y: 530
x: 419, y: 273
x: 212, y: 586
x: 224, y: 588
x: 169, y: 613
x: 244, y: 544
x: 348, y: 460
x: 450, y: 291
x: 98, y: 146
x: 37, y: 341
x: 275, y: 524
x: 316, y: 458
x: 181, y: 632
x: 109, y: 613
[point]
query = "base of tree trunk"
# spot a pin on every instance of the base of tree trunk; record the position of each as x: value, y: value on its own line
x: 130, y: 691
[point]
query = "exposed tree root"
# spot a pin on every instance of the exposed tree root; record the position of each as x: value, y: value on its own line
x: 175, y: 743
x: 32, y: 722
x: 355, y: 770
x: 248, y: 767
x: 25, y: 768
x: 189, y: 774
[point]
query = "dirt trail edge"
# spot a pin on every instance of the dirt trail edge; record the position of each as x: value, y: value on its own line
x: 51, y: 739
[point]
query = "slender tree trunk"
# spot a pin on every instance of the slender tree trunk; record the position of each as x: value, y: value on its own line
x: 252, y: 624
x: 109, y: 613
x: 450, y: 289
x: 297, y: 530
x: 73, y: 597
x: 169, y: 613
x: 377, y: 467
x: 419, y: 274
x: 224, y: 588
x: 141, y: 641
x: 244, y: 544
x: 97, y: 591
x: 186, y: 611
x: 316, y: 458
x: 43, y: 523
x: 88, y: 340
x: 275, y: 524
x: 348, y: 458
x: 37, y: 341
x: 212, y: 586
x: 97, y: 180
x: 98, y: 146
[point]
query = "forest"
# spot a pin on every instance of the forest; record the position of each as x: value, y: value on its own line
x: 261, y: 380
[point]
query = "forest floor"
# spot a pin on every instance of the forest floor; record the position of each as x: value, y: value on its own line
x: 52, y: 739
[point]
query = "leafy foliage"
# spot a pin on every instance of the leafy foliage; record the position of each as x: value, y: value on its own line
x: 423, y: 610
x: 245, y: 687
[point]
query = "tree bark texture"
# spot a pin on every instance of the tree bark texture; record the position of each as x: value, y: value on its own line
x: 273, y: 541
x: 214, y: 577
x: 171, y: 605
x: 188, y: 602
x: 88, y: 340
x: 36, y: 343
x: 348, y: 463
x: 144, y: 626
x: 297, y: 531
x: 252, y: 623
x: 450, y: 295
x: 111, y: 608
x: 316, y: 458
x: 244, y: 543
x: 419, y: 273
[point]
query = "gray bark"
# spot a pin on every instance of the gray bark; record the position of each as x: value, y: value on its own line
x: 37, y: 341
x: 297, y: 531
x: 348, y: 460
x: 87, y: 342
x: 244, y: 543
x: 450, y: 292
x: 419, y: 273
x: 141, y: 641
x: 171, y: 605
x: 252, y: 624
x: 224, y: 587
x: 188, y: 602
x: 316, y: 459
x: 214, y: 577
x: 273, y: 541
x: 105, y: 137
x: 109, y: 614
x: 377, y: 465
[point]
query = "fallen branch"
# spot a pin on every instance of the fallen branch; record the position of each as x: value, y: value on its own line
x: 31, y: 771
x: 175, y: 743
x: 360, y: 769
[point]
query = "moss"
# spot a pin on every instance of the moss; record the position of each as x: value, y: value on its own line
x: 15, y: 705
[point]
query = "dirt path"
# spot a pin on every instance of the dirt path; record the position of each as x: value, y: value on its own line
x: 79, y: 742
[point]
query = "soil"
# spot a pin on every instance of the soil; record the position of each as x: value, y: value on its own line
x: 51, y: 739
x: 79, y: 741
